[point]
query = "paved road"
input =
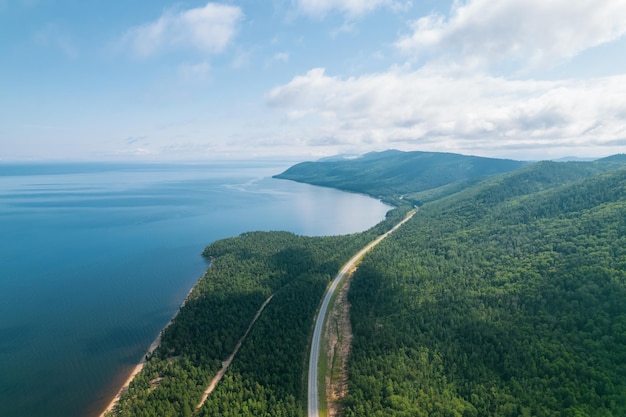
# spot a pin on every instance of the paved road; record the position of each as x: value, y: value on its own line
x: 313, y: 397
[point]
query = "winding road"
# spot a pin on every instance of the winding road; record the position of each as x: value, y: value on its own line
x: 313, y: 396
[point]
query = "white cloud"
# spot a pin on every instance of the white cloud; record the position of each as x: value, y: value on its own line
x: 281, y: 57
x: 531, y: 32
x: 452, y: 102
x: 207, y: 29
x: 195, y: 72
x: 52, y: 36
x: 242, y: 58
x: 353, y: 8
x: 477, y: 113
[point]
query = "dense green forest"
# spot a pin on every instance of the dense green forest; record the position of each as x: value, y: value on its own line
x: 504, y: 296
x: 536, y: 177
x: 506, y: 299
x: 266, y: 377
x: 392, y: 173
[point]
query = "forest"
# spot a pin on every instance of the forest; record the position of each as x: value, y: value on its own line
x: 503, y: 300
x: 504, y: 296
x: 266, y: 376
x: 390, y: 174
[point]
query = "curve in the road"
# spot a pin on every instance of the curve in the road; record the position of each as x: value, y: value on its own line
x: 313, y: 396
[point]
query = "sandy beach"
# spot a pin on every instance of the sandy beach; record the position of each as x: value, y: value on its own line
x: 155, y: 344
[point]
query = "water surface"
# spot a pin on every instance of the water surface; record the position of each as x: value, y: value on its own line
x: 96, y: 258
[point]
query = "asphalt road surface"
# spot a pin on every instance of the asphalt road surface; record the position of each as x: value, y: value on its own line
x: 313, y: 397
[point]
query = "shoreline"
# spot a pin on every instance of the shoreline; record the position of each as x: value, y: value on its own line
x: 144, y: 359
x: 155, y: 344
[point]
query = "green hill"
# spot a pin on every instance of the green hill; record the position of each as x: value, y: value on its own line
x: 394, y: 173
x: 266, y: 376
x: 530, y: 179
x: 505, y: 299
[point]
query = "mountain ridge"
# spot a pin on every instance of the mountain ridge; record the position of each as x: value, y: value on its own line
x: 393, y: 172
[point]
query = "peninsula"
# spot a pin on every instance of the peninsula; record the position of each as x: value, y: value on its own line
x: 503, y: 296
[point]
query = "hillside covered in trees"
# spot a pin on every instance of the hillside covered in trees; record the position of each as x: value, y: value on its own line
x: 266, y: 377
x: 506, y: 299
x: 504, y: 296
x: 393, y: 173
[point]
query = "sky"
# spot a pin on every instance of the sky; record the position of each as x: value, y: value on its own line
x: 192, y: 80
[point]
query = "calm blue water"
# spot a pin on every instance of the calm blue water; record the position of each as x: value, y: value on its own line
x: 96, y: 258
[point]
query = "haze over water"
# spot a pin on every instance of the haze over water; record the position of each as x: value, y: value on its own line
x: 96, y: 258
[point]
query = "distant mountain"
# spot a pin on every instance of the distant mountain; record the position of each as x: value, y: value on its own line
x: 619, y: 158
x: 393, y: 173
x: 530, y: 179
x: 573, y: 159
x: 335, y: 158
x: 420, y: 177
x: 614, y: 158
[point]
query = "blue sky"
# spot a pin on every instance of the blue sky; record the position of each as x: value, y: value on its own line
x: 301, y: 79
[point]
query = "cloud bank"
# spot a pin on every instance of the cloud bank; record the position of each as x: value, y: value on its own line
x: 421, y: 109
x: 531, y: 33
x: 447, y: 96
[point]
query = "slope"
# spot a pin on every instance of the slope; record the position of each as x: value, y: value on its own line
x: 265, y: 378
x: 392, y: 173
x: 504, y: 299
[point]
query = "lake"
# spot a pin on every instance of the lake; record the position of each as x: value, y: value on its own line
x: 96, y: 258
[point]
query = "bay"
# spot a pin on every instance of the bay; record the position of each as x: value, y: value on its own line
x: 96, y: 258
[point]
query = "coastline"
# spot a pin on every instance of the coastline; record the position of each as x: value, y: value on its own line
x: 131, y: 277
x: 153, y: 346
